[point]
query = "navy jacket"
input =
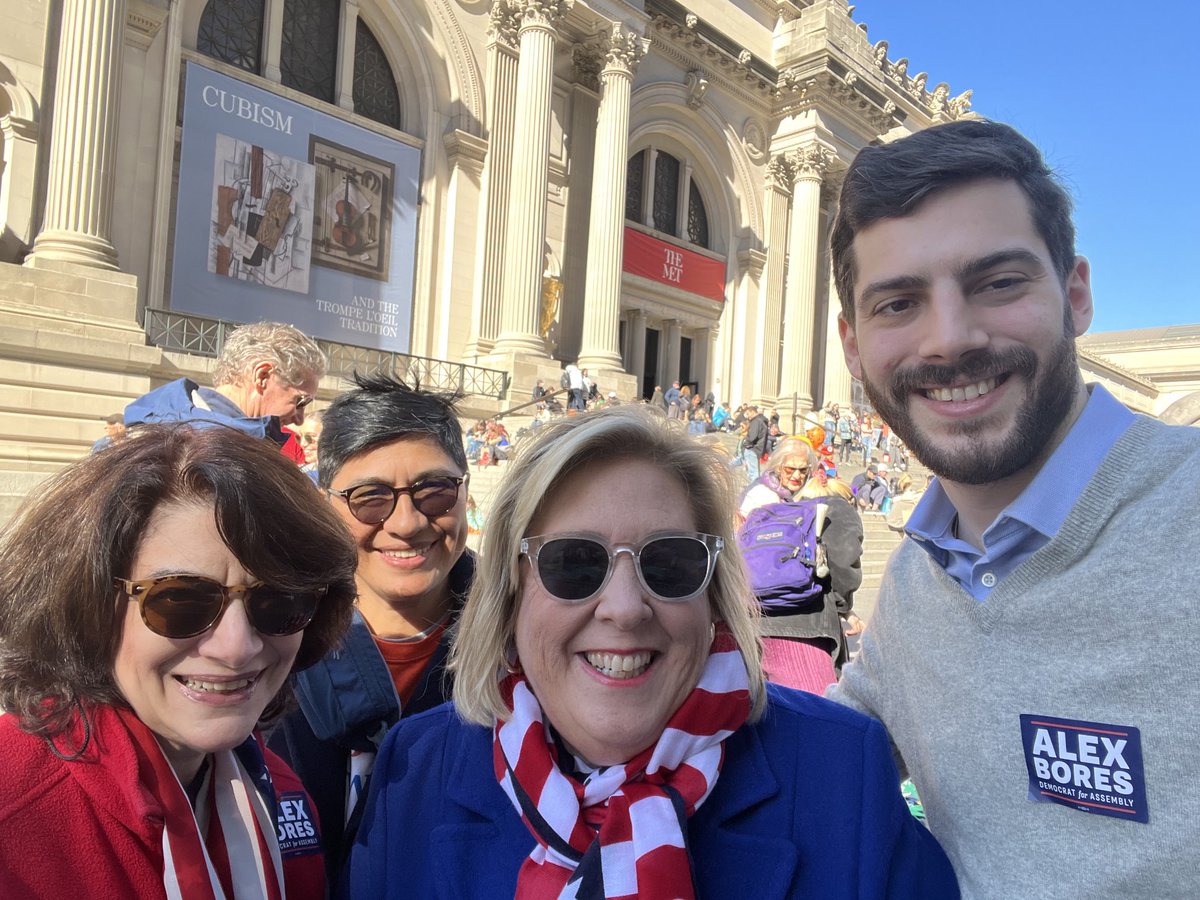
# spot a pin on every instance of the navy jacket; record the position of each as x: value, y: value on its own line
x: 176, y: 402
x: 807, y: 805
x: 347, y: 703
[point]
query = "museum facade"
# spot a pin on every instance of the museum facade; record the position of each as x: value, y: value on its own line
x: 467, y: 191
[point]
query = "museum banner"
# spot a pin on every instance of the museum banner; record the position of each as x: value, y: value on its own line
x: 672, y: 265
x: 287, y: 214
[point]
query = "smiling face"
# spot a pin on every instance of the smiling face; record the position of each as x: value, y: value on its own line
x: 609, y: 672
x: 309, y: 435
x: 404, y: 562
x: 205, y: 693
x: 964, y: 334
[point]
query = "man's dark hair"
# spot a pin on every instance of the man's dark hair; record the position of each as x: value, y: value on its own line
x: 892, y: 180
x: 379, y: 410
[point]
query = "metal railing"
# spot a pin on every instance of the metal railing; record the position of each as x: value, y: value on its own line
x: 528, y: 403
x: 200, y: 336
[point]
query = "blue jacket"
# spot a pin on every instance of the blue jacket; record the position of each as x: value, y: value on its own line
x: 347, y: 703
x: 175, y: 402
x: 807, y: 805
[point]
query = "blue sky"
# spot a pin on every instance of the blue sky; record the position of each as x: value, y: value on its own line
x: 1103, y: 89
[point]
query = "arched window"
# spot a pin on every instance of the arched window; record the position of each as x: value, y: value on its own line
x: 232, y: 31
x: 375, y: 93
x: 671, y: 180
x: 634, y: 173
x: 308, y: 61
x: 666, y: 193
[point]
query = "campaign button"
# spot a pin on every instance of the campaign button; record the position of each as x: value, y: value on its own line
x: 1093, y: 767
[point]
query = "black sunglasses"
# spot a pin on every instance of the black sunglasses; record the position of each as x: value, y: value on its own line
x: 672, y: 567
x: 183, y: 606
x: 373, y: 504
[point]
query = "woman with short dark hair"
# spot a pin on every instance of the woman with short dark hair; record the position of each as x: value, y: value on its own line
x: 155, y: 599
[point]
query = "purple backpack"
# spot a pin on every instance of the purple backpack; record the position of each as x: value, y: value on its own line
x: 781, y: 545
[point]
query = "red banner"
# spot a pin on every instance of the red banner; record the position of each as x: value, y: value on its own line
x: 668, y: 264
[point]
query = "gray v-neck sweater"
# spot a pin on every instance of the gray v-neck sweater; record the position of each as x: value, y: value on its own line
x: 1094, y: 640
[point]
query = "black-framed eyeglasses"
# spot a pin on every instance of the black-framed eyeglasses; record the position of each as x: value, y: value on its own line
x: 373, y: 503
x: 574, y: 568
x: 183, y: 606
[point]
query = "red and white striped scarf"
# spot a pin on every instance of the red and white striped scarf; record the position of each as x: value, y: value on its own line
x: 641, y: 807
x: 238, y: 855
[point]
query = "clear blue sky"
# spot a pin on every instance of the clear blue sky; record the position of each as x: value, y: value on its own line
x: 1106, y: 90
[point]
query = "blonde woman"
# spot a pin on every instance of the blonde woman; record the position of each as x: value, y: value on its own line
x: 611, y: 734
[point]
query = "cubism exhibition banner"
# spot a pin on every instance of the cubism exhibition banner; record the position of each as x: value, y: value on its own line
x: 287, y: 214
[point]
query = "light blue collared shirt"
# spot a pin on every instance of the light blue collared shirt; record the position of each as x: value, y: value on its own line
x: 1029, y: 522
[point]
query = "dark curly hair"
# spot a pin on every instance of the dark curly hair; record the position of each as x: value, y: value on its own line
x: 60, y: 618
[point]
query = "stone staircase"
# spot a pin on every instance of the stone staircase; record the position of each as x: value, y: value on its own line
x: 485, y: 479
x: 878, y: 543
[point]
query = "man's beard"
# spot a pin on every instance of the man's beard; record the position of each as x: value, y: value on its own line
x: 1051, y: 394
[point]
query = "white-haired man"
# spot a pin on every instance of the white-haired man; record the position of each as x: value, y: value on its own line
x: 266, y: 376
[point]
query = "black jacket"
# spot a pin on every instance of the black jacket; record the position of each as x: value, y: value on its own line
x: 756, y: 435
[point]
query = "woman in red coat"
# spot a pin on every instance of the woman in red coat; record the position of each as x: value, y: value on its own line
x: 156, y: 597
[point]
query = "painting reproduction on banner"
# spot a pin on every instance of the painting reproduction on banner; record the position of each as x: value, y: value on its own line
x: 262, y: 216
x: 286, y: 213
x: 351, y: 230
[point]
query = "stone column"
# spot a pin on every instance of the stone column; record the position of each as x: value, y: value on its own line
x: 837, y: 376
x: 648, y: 187
x: 273, y: 40
x: 635, y: 339
x: 525, y: 245
x: 19, y: 136
x: 501, y: 91
x: 685, y: 194
x: 606, y: 229
x: 770, y: 300
x: 669, y: 365
x: 809, y: 165
x: 627, y: 346
x: 741, y: 354
x: 344, y: 91
x: 78, y: 216
x: 702, y: 342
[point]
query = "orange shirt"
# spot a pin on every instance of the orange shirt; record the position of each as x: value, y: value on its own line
x: 407, y: 660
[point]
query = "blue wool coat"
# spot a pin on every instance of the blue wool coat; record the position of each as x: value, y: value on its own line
x: 807, y: 805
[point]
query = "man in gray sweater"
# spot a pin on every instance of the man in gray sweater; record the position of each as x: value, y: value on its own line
x: 1022, y: 656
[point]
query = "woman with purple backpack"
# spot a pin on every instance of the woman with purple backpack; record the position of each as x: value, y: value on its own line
x: 802, y: 542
